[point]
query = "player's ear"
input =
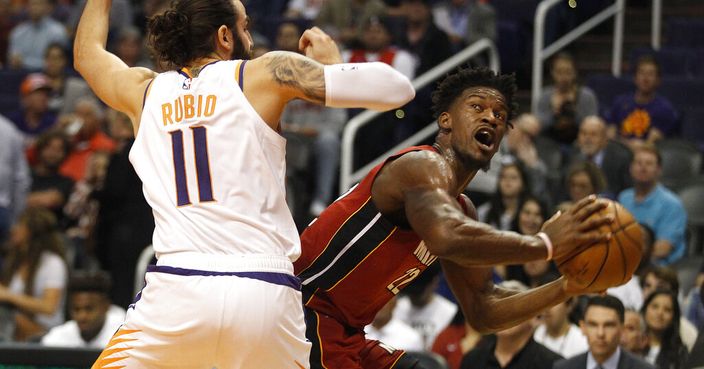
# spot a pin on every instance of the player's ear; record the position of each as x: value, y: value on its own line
x: 445, y: 121
x: 224, y: 38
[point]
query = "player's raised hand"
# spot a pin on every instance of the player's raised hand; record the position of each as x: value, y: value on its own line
x: 576, y: 229
x: 319, y: 46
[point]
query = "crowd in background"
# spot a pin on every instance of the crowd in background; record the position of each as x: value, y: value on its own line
x: 73, y: 220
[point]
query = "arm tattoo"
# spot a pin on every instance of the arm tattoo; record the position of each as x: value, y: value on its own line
x: 299, y: 73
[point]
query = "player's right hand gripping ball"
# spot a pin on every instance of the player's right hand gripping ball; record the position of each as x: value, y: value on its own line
x: 611, y: 263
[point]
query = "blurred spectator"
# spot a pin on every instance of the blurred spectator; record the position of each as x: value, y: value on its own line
x: 7, y: 23
x: 30, y: 39
x: 512, y: 188
x: 35, y: 273
x: 465, y: 21
x: 584, y: 179
x: 50, y: 189
x: 423, y: 309
x: 93, y: 319
x: 696, y: 356
x: 14, y: 176
x: 562, y: 106
x: 653, y: 204
x: 65, y: 88
x: 261, y: 45
x: 456, y: 340
x: 376, y: 45
x: 603, y: 327
x: 694, y: 308
x: 392, y: 331
x: 85, y: 128
x: 121, y: 14
x: 520, y: 144
x: 643, y: 116
x: 557, y: 333
x: 34, y: 117
x: 512, y: 348
x: 634, y: 338
x: 125, y: 220
x: 307, y: 9
x: 343, y: 19
x: 430, y: 45
x: 611, y: 157
x: 129, y: 47
x: 662, y: 318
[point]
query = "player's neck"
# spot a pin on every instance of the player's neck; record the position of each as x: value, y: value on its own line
x: 464, y: 171
x: 195, y: 66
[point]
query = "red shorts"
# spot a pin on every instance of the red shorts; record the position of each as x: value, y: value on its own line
x: 339, y: 346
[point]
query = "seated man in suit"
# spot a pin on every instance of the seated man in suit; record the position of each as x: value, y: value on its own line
x: 603, y: 326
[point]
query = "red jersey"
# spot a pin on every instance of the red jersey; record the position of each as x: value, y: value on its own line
x: 354, y: 260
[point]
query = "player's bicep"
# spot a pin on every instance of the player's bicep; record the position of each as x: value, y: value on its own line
x: 295, y: 75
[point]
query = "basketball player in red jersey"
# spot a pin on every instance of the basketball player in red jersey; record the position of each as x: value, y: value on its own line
x: 409, y: 211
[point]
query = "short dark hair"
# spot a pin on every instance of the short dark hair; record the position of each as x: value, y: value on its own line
x: 185, y: 31
x: 456, y: 83
x: 647, y: 59
x: 55, y: 134
x: 607, y: 301
x: 90, y: 281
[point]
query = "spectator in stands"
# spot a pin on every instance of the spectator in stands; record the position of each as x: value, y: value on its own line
x: 423, y: 309
x: 665, y: 278
x: 7, y: 23
x: 344, y: 19
x: 34, y: 275
x: 603, y: 327
x: 643, y: 116
x: 430, y: 45
x: 557, y: 333
x: 85, y: 127
x: 662, y: 318
x: 65, y: 88
x: 583, y: 179
x: 634, y: 337
x: 50, y: 189
x: 465, y: 21
x: 512, y: 188
x: 311, y: 130
x: 512, y: 348
x: 653, y: 204
x: 14, y: 176
x: 128, y: 46
x: 376, y: 45
x: 611, y: 157
x: 456, y: 340
x: 121, y: 14
x: 392, y: 331
x: 34, y: 117
x: 562, y: 106
x: 694, y: 309
x: 93, y: 319
x: 30, y: 39
x: 306, y: 9
x: 125, y: 220
x: 696, y: 356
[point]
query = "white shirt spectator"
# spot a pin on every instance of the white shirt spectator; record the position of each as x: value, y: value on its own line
x: 428, y: 320
x: 396, y: 334
x: 571, y: 344
x: 629, y: 293
x: 68, y: 334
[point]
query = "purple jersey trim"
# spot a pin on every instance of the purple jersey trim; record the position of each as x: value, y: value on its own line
x: 281, y: 279
x: 241, y: 75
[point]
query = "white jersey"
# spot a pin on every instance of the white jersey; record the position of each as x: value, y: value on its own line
x: 212, y: 170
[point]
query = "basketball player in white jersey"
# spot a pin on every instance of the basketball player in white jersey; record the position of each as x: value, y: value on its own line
x: 222, y: 294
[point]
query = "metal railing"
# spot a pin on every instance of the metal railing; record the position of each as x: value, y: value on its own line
x: 347, y: 176
x: 656, y: 24
x: 541, y: 53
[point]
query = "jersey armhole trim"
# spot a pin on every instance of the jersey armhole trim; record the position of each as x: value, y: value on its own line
x: 239, y: 75
x: 146, y: 93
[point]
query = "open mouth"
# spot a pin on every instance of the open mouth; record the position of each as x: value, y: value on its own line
x: 485, y: 137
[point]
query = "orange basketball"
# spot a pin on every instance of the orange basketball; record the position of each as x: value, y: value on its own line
x: 610, y: 263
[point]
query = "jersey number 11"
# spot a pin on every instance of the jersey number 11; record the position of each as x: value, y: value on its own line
x: 200, y: 150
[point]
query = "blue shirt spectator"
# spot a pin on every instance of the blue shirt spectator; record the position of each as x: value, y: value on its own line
x: 655, y: 206
x: 30, y: 39
x: 14, y: 176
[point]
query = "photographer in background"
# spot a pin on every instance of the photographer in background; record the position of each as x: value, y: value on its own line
x: 564, y: 104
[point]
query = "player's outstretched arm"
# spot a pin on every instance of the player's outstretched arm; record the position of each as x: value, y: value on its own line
x: 422, y: 182
x: 489, y: 308
x: 111, y: 79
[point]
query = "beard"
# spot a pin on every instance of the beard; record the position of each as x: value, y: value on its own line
x: 240, y: 51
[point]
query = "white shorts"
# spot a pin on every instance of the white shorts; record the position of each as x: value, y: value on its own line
x: 205, y: 317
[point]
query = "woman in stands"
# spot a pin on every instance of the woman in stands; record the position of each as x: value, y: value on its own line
x: 34, y: 274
